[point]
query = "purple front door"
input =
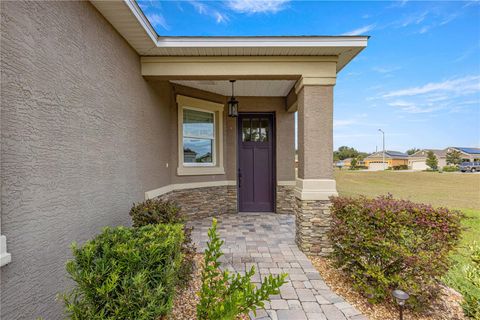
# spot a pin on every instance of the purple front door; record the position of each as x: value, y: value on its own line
x: 256, y: 162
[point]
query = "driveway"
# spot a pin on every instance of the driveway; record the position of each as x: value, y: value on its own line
x: 267, y: 241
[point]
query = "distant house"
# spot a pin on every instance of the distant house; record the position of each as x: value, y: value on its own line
x: 189, y: 155
x: 207, y: 157
x: 347, y: 163
x: 375, y: 162
x: 418, y: 160
x: 468, y: 154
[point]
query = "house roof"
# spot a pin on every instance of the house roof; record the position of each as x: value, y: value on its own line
x: 468, y: 150
x: 129, y: 20
x: 388, y: 154
x: 423, y: 153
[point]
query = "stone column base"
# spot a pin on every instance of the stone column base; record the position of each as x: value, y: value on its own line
x: 313, y: 221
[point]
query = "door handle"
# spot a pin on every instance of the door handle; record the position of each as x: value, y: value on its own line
x: 239, y: 178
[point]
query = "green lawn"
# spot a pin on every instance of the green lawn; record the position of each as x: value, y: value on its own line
x: 451, y: 190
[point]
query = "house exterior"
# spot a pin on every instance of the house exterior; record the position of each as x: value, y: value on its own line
x: 98, y: 112
x: 469, y: 154
x: 347, y: 163
x: 375, y: 161
x: 418, y: 160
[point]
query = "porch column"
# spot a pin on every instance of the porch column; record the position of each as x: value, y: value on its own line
x: 315, y: 182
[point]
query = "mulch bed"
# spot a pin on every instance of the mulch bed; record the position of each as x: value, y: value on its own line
x: 447, y: 306
x: 186, y: 300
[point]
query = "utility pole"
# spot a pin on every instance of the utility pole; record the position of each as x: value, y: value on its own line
x: 383, y: 160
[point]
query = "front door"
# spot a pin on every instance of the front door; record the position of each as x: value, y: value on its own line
x: 256, y: 160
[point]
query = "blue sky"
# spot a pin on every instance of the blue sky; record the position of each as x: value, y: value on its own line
x: 418, y: 79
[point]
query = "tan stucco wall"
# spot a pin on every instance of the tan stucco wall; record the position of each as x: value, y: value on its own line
x: 315, y: 132
x: 285, y: 134
x: 83, y: 135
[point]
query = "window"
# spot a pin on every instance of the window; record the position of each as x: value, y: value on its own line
x: 200, y: 138
x: 255, y: 130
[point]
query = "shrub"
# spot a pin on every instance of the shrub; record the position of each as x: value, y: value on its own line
x: 125, y: 273
x: 471, y: 303
x: 432, y: 160
x: 400, y: 167
x: 450, y: 168
x: 385, y: 244
x: 224, y: 296
x: 154, y: 211
x: 353, y: 164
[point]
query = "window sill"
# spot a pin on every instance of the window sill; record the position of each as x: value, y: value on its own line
x: 197, y: 171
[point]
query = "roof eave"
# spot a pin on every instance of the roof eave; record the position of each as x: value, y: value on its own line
x: 129, y: 20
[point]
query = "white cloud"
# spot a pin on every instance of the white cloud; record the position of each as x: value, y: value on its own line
x: 410, y: 107
x: 158, y: 20
x: 257, y: 6
x: 385, y: 69
x: 434, y: 98
x: 439, y: 20
x: 219, y: 17
x: 200, y: 7
x: 413, y: 19
x: 424, y: 29
x: 465, y: 55
x: 460, y: 86
x: 359, y: 120
x: 343, y: 123
x: 204, y: 9
x: 359, y: 31
x: 449, y: 18
x: 472, y: 2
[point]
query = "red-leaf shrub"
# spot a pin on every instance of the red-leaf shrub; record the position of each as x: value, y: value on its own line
x: 385, y: 244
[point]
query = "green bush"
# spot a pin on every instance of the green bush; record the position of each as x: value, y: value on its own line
x: 450, y: 168
x: 400, y: 167
x: 125, y: 273
x: 154, y: 211
x: 471, y: 303
x: 224, y: 296
x: 385, y: 244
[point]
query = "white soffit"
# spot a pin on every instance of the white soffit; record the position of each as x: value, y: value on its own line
x: 243, y: 88
x: 129, y: 20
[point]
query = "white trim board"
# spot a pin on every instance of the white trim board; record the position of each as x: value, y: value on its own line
x: 5, y: 257
x: 287, y: 183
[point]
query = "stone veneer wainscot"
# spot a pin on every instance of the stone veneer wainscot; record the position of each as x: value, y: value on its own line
x: 212, y: 201
x: 313, y: 221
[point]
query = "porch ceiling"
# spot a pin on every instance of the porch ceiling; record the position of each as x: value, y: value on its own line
x: 244, y: 88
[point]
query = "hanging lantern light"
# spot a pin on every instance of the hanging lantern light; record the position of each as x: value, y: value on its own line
x: 233, y: 104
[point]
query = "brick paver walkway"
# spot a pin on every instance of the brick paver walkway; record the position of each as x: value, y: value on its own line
x: 267, y: 242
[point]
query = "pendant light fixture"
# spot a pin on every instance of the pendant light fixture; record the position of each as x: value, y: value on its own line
x: 233, y: 103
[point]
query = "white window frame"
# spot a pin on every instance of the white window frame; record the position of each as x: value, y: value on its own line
x: 214, y: 147
x: 216, y: 167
